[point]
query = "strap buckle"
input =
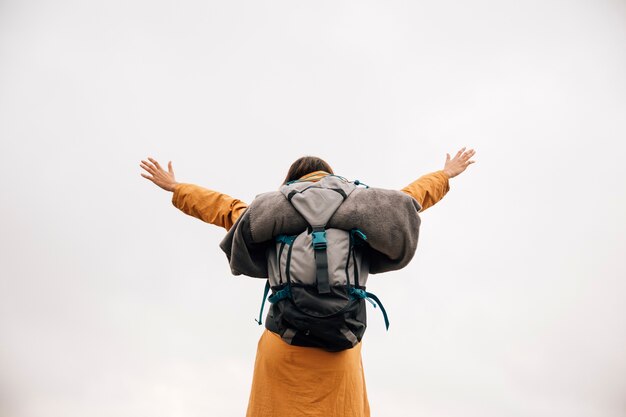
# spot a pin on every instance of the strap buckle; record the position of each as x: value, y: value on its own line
x: 319, y: 239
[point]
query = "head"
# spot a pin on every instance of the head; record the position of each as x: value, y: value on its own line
x: 306, y: 165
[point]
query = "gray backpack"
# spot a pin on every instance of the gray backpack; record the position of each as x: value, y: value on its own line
x: 317, y: 277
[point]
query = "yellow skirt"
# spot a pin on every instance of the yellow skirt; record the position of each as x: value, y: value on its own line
x: 294, y: 381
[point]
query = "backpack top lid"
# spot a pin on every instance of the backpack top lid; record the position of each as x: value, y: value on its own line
x: 317, y: 201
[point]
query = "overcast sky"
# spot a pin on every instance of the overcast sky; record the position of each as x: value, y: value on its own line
x: 114, y: 303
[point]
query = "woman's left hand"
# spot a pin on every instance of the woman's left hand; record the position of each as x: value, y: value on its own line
x: 459, y: 163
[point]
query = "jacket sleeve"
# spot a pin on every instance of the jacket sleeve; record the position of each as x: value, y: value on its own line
x: 429, y: 189
x: 208, y: 205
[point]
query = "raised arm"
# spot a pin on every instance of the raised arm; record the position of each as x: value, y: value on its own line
x: 207, y: 205
x: 431, y: 188
x: 428, y: 189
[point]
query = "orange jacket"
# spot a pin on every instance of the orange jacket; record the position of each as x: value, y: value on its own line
x: 294, y: 381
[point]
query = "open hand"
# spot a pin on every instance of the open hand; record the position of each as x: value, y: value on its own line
x: 162, y: 178
x: 459, y: 163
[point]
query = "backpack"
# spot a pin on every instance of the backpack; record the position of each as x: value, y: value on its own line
x: 317, y: 277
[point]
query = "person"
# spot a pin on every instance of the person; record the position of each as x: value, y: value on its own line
x: 288, y: 380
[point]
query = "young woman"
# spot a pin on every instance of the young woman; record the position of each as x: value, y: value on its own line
x: 294, y: 381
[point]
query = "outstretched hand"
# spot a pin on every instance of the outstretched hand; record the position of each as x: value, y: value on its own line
x: 162, y: 178
x: 459, y: 163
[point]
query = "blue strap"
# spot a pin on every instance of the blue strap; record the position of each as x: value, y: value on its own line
x: 359, y: 233
x: 274, y: 298
x: 318, y: 236
x: 358, y: 237
x: 357, y: 293
x: 265, y: 292
x: 382, y: 309
x: 285, y: 239
x: 280, y: 295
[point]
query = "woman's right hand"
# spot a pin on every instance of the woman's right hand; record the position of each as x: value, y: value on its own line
x: 162, y: 178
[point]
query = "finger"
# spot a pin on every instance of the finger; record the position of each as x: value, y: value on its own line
x: 147, y: 177
x: 169, y: 168
x: 459, y: 153
x: 468, y: 163
x: 156, y: 163
x: 147, y: 163
x: 147, y: 167
x: 447, y: 157
x: 467, y: 155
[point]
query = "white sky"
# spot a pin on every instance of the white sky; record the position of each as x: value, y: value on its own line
x: 114, y: 303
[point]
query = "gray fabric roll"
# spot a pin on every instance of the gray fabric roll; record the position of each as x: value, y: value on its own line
x: 389, y: 218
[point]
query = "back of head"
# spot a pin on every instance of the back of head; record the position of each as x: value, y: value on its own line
x: 306, y: 165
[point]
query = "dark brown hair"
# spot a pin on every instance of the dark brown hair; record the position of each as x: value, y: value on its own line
x: 306, y: 165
